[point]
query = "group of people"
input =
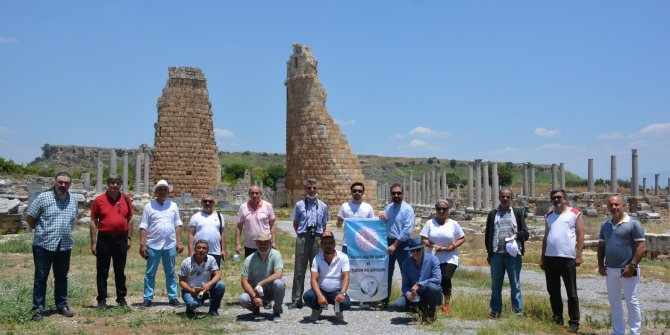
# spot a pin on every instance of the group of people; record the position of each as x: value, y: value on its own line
x: 426, y: 275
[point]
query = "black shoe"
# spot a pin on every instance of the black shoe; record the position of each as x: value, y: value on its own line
x: 146, y: 303
x: 174, y: 302
x: 494, y: 315
x: 65, y: 311
x: 190, y: 314
x: 122, y: 303
x: 256, y: 312
x: 573, y: 328
x: 295, y: 304
x: 213, y: 313
x: 37, y: 314
x: 102, y: 304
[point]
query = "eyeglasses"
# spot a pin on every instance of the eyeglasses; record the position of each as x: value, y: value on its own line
x: 557, y: 197
x: 442, y: 209
x: 357, y: 191
x: 311, y: 187
x: 208, y: 202
x: 396, y: 193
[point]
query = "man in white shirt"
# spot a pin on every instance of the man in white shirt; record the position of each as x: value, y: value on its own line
x: 208, y: 225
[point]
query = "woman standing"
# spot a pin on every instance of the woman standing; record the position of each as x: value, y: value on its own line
x: 444, y: 235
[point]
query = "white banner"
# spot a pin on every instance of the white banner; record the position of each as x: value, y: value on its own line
x: 366, y: 248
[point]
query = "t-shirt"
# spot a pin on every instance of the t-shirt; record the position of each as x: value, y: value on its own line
x: 444, y: 235
x: 330, y: 275
x: 256, y: 221
x: 561, y: 236
x: 256, y: 269
x: 196, y: 274
x: 620, y: 240
x: 350, y: 210
x: 207, y: 228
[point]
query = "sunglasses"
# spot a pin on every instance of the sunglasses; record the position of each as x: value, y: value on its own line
x: 442, y: 209
x: 208, y: 202
x: 396, y: 193
x: 357, y: 191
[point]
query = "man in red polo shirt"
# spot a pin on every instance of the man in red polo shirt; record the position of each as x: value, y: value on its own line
x: 111, y: 216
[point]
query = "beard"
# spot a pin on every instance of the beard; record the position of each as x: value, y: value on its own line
x: 329, y: 251
x: 60, y: 196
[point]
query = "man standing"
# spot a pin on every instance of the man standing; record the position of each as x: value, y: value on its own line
x: 621, y: 247
x: 330, y: 279
x: 561, y: 254
x: 112, y: 218
x: 52, y: 215
x: 200, y: 279
x: 254, y: 218
x: 208, y: 225
x: 160, y: 238
x: 504, y: 225
x: 399, y: 217
x: 421, y: 277
x: 354, y: 208
x: 262, y: 279
x: 310, y: 216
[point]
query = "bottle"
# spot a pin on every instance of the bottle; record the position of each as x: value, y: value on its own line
x: 236, y: 257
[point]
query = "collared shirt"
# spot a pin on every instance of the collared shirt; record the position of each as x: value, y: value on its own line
x: 444, y: 235
x: 112, y: 215
x: 620, y: 240
x: 426, y: 272
x: 207, y: 227
x: 53, y: 221
x: 399, y: 221
x: 562, y: 236
x: 196, y: 275
x: 256, y: 269
x: 256, y: 221
x: 330, y: 275
x: 310, y: 214
x: 161, y: 222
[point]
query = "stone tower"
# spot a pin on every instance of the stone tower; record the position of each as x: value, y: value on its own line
x: 185, y: 151
x: 315, y: 146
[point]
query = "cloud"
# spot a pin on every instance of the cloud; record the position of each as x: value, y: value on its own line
x: 4, y: 131
x: 8, y: 39
x: 655, y: 128
x: 418, y: 144
x: 427, y: 132
x: 541, y: 132
x: 225, y: 133
x: 609, y: 136
x: 507, y: 150
x: 556, y: 147
x: 397, y: 136
x: 345, y: 122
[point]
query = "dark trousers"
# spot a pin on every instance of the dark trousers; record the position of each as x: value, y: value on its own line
x: 447, y: 270
x: 111, y: 247
x: 556, y: 268
x: 217, y: 258
x: 430, y: 297
x: 44, y: 260
x: 248, y: 251
x: 306, y: 248
x: 312, y: 300
x: 399, y: 254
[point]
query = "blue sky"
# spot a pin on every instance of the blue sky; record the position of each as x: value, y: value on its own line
x: 540, y: 81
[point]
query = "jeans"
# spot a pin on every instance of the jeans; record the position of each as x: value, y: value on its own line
x: 501, y: 263
x: 306, y: 248
x: 44, y: 259
x: 111, y: 248
x: 615, y: 285
x: 556, y: 268
x: 431, y: 296
x: 154, y: 257
x: 313, y: 302
x: 214, y: 294
x: 274, y: 292
x: 399, y: 254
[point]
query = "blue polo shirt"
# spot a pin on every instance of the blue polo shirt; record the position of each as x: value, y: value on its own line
x: 620, y: 241
x: 308, y: 214
x: 53, y: 221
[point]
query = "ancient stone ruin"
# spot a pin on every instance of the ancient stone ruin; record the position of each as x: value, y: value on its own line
x: 315, y: 146
x: 185, y: 151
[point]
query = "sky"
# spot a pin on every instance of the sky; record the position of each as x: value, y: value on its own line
x: 521, y: 81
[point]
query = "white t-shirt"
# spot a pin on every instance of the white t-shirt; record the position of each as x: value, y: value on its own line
x: 207, y: 228
x: 161, y: 222
x: 350, y: 210
x: 561, y: 233
x: 443, y: 235
x: 330, y: 275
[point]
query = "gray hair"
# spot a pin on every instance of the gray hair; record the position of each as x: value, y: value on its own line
x: 114, y: 177
x: 310, y: 181
x: 443, y: 202
x: 200, y: 241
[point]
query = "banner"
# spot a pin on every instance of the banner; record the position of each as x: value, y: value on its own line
x: 366, y: 248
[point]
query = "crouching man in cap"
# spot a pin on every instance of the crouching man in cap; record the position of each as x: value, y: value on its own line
x: 421, y: 279
x: 262, y: 279
x: 200, y: 279
x: 330, y: 279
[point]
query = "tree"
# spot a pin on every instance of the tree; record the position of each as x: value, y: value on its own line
x: 453, y: 163
x: 235, y: 170
x: 505, y: 173
x: 272, y: 173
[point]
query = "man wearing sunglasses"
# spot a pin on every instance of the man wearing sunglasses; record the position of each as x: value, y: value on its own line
x: 207, y: 225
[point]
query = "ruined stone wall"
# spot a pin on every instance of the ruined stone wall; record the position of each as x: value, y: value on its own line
x: 315, y: 146
x: 185, y: 151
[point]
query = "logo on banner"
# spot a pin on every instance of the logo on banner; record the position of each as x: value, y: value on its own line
x: 366, y: 239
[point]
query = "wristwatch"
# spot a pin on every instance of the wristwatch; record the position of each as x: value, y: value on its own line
x: 633, y: 265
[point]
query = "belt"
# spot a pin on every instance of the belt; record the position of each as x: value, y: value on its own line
x: 309, y: 235
x: 113, y: 235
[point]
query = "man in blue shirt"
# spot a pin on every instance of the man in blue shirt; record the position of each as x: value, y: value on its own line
x: 310, y: 216
x: 52, y: 215
x: 421, y: 277
x: 399, y: 218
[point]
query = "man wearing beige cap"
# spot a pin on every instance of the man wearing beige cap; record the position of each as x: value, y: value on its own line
x: 262, y: 279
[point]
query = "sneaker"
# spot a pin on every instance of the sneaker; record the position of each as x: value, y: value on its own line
x: 38, y: 314
x: 122, y: 303
x: 65, y: 311
x: 256, y: 312
x: 213, y: 313
x: 276, y: 317
x: 316, y: 313
x: 267, y: 304
x: 102, y: 304
x: 295, y: 304
x: 573, y: 328
x: 146, y: 303
x: 494, y: 315
x: 382, y: 306
x: 174, y: 302
x: 445, y: 309
x: 365, y: 305
x: 339, y: 315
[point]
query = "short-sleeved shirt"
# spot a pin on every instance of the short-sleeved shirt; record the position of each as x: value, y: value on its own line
x: 309, y: 214
x: 161, y: 222
x: 444, y: 235
x: 256, y: 221
x: 562, y: 236
x: 399, y: 221
x: 207, y: 227
x: 350, y: 210
x: 330, y: 275
x: 53, y: 221
x: 196, y: 274
x: 620, y: 241
x: 256, y: 269
x: 112, y: 215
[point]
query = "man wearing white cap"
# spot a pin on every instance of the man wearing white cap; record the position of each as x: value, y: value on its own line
x: 160, y: 238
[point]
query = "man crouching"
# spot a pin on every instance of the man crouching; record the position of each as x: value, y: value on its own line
x: 200, y: 279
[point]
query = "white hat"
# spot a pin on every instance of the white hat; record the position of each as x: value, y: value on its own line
x: 511, y: 246
x: 161, y: 183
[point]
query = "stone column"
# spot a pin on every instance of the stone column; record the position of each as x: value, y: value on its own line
x: 125, y: 171
x: 668, y: 184
x: 411, y: 188
x: 87, y: 180
x: 98, y: 175
x: 554, y: 177
x: 524, y: 189
x: 496, y: 184
x: 532, y: 179
x: 138, y: 172
x: 478, y: 184
x: 644, y: 186
x: 112, y: 161
x: 589, y: 183
x: 657, y: 186
x: 613, y: 175
x: 445, y: 186
x: 561, y: 170
x: 470, y: 193
x: 423, y: 189
x: 147, y: 162
x: 433, y: 187
x: 634, y: 183
x: 486, y: 204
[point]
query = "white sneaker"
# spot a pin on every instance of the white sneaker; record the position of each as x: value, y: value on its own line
x: 316, y: 313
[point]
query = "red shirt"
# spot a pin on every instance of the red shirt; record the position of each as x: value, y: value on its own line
x: 112, y: 216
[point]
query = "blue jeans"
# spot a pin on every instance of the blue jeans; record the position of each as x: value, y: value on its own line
x: 399, y: 254
x: 154, y: 257
x: 313, y: 302
x: 431, y: 296
x: 44, y: 259
x: 215, y: 294
x: 501, y: 262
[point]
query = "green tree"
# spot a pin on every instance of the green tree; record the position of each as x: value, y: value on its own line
x: 453, y: 163
x: 505, y: 173
x: 272, y: 173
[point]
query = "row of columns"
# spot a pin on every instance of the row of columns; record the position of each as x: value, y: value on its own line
x: 614, y: 183
x: 142, y: 159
